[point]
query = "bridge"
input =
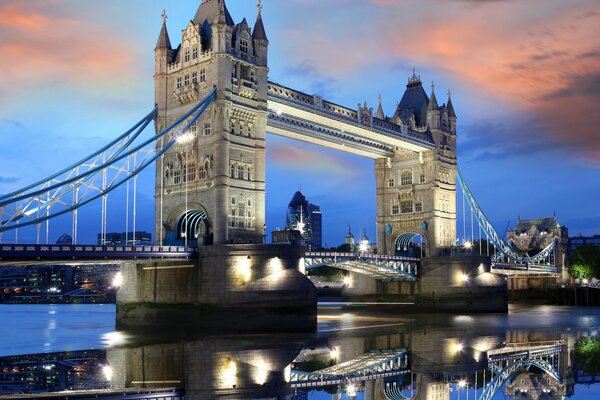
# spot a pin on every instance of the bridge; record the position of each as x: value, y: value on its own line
x: 214, y: 107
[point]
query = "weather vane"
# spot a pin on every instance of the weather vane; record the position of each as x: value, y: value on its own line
x: 164, y: 16
x: 259, y: 6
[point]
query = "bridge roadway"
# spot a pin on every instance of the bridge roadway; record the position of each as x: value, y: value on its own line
x: 64, y: 254
x: 309, y: 118
x: 125, y: 394
x: 381, y: 267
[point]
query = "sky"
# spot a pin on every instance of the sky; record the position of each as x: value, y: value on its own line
x: 524, y: 75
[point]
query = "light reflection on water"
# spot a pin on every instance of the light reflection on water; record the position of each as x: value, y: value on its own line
x: 447, y: 356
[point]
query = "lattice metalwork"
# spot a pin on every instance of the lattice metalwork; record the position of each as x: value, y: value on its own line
x: 95, y: 176
x: 507, y: 257
x: 390, y: 268
x: 372, y: 365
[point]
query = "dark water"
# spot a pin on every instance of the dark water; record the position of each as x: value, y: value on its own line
x: 357, y: 353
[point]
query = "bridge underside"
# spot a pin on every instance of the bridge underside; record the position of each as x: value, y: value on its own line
x: 387, y: 268
x: 369, y: 366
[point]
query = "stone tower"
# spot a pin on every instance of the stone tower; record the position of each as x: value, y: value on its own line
x: 212, y: 189
x: 416, y: 192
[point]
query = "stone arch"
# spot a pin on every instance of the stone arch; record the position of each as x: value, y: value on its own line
x: 192, y: 223
x: 403, y: 241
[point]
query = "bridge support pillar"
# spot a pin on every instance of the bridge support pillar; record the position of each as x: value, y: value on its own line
x: 446, y: 284
x: 241, y: 287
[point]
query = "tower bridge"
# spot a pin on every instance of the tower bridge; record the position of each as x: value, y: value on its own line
x: 214, y: 105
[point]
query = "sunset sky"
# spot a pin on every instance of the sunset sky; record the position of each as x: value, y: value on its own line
x: 525, y: 78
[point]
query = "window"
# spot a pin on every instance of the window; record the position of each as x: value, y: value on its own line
x: 233, y: 201
x: 245, y: 72
x: 391, y: 183
x: 248, y: 176
x: 232, y: 171
x: 186, y: 80
x: 232, y: 128
x: 244, y: 46
x: 187, y: 56
x: 406, y: 207
x: 240, y: 172
x: 395, y: 209
x: 195, y: 53
x: 176, y: 177
x: 207, y: 129
x: 202, y: 173
x: 194, y: 77
x: 203, y: 75
x: 419, y: 207
x: 422, y: 178
x: 190, y: 172
x: 193, y: 128
x: 179, y: 82
x: 406, y: 178
x: 249, y: 202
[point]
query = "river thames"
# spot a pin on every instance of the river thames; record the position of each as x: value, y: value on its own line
x: 549, y: 351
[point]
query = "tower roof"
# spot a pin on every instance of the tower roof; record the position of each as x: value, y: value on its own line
x: 542, y: 224
x: 259, y: 33
x: 209, y: 11
x: 163, y: 38
x: 450, y: 107
x: 415, y: 99
x: 380, y: 114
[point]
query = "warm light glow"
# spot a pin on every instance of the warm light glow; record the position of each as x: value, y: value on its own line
x: 287, y: 373
x: 462, y: 383
x: 585, y: 281
x: 302, y: 266
x: 275, y: 266
x: 112, y: 339
x: 348, y: 280
x: 364, y: 246
x: 458, y: 347
x: 230, y: 374
x: 333, y: 354
x: 262, y: 372
x: 279, y: 112
x: 244, y: 269
x: 117, y: 280
x: 108, y: 372
x: 351, y: 390
x: 464, y: 278
x: 468, y: 244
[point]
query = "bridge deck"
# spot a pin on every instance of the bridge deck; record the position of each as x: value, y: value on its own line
x: 382, y: 267
x: 38, y: 254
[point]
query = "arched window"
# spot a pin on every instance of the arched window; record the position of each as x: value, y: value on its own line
x: 240, y: 172
x: 232, y: 170
x: 249, y: 175
x: 201, y: 173
x: 406, y: 207
x: 406, y: 178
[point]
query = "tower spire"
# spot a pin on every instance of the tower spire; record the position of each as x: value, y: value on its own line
x: 433, y: 104
x: 259, y: 33
x: 380, y: 113
x: 163, y: 38
x: 450, y: 107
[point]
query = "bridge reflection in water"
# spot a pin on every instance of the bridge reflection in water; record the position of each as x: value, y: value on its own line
x: 364, y: 355
x: 406, y: 359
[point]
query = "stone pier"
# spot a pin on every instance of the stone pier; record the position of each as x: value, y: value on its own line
x: 253, y: 287
x: 444, y: 284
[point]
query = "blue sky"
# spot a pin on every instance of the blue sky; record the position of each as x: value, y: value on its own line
x: 525, y: 79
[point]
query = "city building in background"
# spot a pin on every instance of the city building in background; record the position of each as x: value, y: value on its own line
x: 306, y: 218
x: 350, y: 238
x: 58, y: 284
x: 123, y: 239
x: 580, y: 240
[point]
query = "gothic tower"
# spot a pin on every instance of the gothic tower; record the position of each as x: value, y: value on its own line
x: 212, y: 188
x: 416, y: 192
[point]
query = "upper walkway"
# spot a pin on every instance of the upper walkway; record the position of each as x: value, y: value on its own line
x: 308, y: 118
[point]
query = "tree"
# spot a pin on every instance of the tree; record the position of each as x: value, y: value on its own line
x: 585, y: 260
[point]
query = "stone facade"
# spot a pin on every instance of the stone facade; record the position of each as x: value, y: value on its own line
x: 223, y: 168
x: 416, y: 192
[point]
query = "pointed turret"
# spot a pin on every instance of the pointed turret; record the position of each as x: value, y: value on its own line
x: 450, y: 107
x: 259, y: 33
x: 380, y: 113
x: 414, y: 101
x: 433, y: 104
x: 163, y: 43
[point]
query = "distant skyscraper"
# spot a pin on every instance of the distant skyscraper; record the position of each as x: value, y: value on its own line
x: 306, y: 218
